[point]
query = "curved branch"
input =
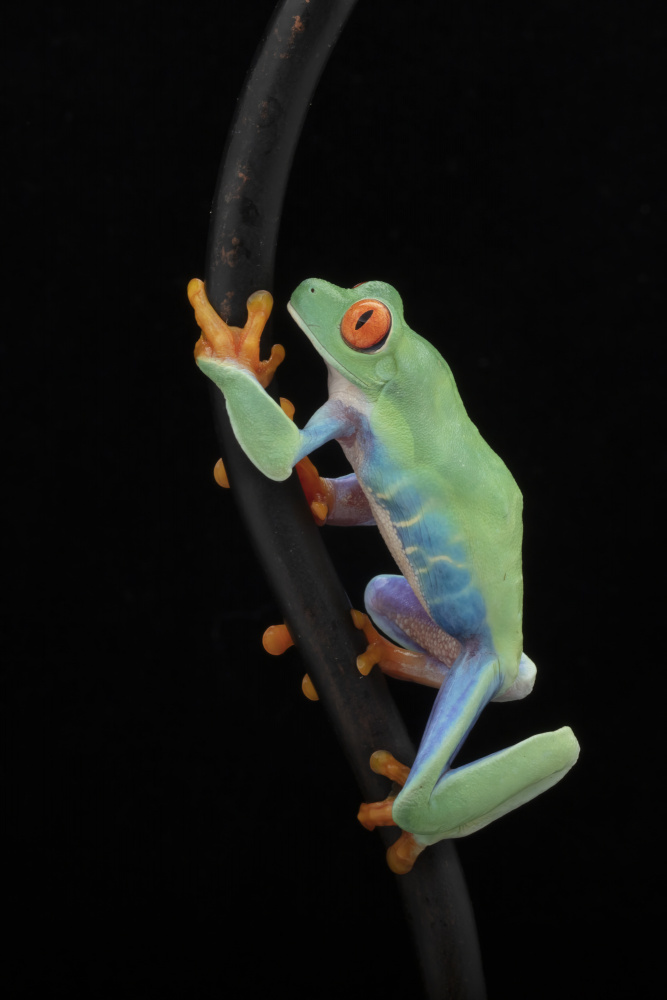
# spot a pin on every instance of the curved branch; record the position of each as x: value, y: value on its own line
x: 240, y: 258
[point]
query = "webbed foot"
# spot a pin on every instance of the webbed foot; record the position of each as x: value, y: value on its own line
x: 406, y: 664
x: 222, y: 342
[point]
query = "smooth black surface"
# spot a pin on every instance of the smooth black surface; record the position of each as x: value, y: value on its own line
x: 525, y: 233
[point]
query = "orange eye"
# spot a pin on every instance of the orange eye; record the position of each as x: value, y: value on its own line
x: 365, y: 324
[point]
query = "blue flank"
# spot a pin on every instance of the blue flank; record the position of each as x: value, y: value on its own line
x: 440, y: 562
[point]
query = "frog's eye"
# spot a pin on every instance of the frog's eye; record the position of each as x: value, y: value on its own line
x: 366, y: 325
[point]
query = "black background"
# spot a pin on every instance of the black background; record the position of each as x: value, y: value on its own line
x: 180, y: 818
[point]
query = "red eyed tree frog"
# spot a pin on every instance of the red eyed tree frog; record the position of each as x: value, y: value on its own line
x: 450, y: 513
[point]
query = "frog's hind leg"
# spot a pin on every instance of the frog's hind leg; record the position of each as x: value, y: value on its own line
x: 439, y: 801
x: 393, y: 606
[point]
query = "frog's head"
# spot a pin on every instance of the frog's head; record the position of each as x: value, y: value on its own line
x: 358, y: 331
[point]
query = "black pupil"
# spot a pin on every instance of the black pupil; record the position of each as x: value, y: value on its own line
x: 364, y: 318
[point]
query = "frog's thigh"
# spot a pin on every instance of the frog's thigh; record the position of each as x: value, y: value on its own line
x: 394, y: 607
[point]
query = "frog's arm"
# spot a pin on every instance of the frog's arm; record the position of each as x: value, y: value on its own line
x: 348, y: 505
x: 230, y: 358
x: 334, y: 501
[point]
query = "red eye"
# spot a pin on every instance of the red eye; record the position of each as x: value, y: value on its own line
x: 365, y: 324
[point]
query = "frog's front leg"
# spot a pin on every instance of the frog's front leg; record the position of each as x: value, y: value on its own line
x: 230, y: 357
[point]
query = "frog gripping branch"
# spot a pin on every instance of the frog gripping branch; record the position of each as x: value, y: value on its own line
x: 449, y: 512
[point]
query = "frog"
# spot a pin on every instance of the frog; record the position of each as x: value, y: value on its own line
x: 450, y: 513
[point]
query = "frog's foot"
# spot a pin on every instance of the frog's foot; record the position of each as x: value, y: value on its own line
x: 236, y: 344
x: 276, y: 640
x: 403, y: 853
x: 317, y: 491
x: 406, y: 664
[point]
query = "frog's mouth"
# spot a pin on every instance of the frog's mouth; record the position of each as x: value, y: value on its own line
x: 321, y: 349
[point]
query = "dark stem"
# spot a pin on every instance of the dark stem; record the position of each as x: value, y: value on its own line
x: 240, y: 259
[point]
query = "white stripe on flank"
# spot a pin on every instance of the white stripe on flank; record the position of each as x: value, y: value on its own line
x: 447, y: 559
x: 409, y: 522
x: 390, y: 493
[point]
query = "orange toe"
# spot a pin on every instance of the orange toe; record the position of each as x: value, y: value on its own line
x: 277, y: 639
x: 402, y: 855
x: 372, y: 814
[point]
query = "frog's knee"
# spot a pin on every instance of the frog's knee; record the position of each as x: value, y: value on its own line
x: 523, y: 684
x: 388, y: 595
x: 410, y: 812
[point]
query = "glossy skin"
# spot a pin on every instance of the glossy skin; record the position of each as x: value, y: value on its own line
x: 449, y: 511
